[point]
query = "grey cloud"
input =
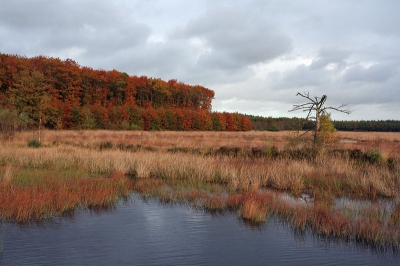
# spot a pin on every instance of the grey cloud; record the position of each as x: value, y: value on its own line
x: 59, y: 14
x: 161, y: 60
x: 260, y: 44
x: 380, y: 72
x: 218, y: 60
x: 167, y: 60
x: 327, y: 56
x: 386, y: 50
x: 301, y: 76
x: 242, y: 39
x: 43, y: 27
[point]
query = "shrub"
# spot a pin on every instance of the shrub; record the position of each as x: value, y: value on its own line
x: 355, y: 154
x: 34, y: 143
x: 105, y: 146
x: 374, y: 156
x: 228, y: 151
x: 272, y: 151
x: 257, y: 153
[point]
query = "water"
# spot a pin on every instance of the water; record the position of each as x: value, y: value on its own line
x: 148, y: 233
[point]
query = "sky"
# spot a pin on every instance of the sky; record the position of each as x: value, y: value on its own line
x: 256, y: 55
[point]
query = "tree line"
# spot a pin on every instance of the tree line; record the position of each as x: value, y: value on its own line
x: 285, y: 123
x: 368, y: 125
x: 61, y: 94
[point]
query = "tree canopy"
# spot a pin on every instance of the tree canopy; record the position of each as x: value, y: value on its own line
x: 62, y: 94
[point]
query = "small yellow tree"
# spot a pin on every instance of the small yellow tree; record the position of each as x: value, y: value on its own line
x: 326, y: 130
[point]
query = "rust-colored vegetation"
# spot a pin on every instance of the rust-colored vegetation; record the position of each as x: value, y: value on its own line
x: 25, y: 199
x: 256, y: 174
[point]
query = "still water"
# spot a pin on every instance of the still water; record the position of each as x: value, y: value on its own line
x: 141, y: 232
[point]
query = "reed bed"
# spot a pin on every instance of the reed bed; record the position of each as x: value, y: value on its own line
x: 340, y: 176
x: 247, y: 172
x: 51, y: 196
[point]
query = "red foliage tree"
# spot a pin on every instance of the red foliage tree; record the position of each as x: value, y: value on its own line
x: 81, y: 97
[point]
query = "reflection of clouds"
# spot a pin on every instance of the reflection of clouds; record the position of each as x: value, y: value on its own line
x: 187, y: 237
x: 158, y: 217
x: 153, y: 218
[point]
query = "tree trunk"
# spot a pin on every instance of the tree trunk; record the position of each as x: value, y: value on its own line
x: 40, y: 127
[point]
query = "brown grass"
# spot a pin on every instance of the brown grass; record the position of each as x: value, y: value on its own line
x: 159, y: 139
x: 340, y: 176
x: 210, y: 170
x: 386, y: 142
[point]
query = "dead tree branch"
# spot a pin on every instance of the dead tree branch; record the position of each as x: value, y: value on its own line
x: 315, y: 109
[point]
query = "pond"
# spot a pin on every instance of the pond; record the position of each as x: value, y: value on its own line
x: 145, y: 232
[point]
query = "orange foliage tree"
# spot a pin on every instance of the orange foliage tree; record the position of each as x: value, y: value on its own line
x: 74, y: 97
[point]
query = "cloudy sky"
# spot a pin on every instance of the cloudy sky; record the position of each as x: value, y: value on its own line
x: 255, y: 54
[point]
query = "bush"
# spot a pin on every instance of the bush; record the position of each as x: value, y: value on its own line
x: 228, y: 151
x: 272, y: 151
x: 105, y: 146
x: 356, y: 154
x: 374, y: 157
x: 34, y: 143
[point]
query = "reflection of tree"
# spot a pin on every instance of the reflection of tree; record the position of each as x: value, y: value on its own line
x: 316, y: 110
x: 29, y: 95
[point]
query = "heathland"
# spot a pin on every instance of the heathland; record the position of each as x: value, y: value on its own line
x: 347, y: 188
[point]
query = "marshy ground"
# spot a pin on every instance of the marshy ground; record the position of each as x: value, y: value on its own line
x: 256, y: 174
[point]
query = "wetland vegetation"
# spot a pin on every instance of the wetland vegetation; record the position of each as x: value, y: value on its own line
x: 256, y: 174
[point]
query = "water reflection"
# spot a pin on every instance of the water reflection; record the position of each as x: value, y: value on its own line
x: 139, y: 232
x: 385, y: 204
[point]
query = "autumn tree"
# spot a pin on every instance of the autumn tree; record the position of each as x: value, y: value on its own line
x: 9, y: 122
x: 61, y: 94
x: 316, y: 110
x: 28, y: 94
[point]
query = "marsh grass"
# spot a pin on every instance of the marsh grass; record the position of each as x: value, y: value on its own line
x: 372, y: 225
x: 245, y: 172
x: 46, y: 196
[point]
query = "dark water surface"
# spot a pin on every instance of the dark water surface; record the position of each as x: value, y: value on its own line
x: 148, y: 233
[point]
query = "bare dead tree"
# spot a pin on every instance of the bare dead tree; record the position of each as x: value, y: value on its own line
x: 315, y: 108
